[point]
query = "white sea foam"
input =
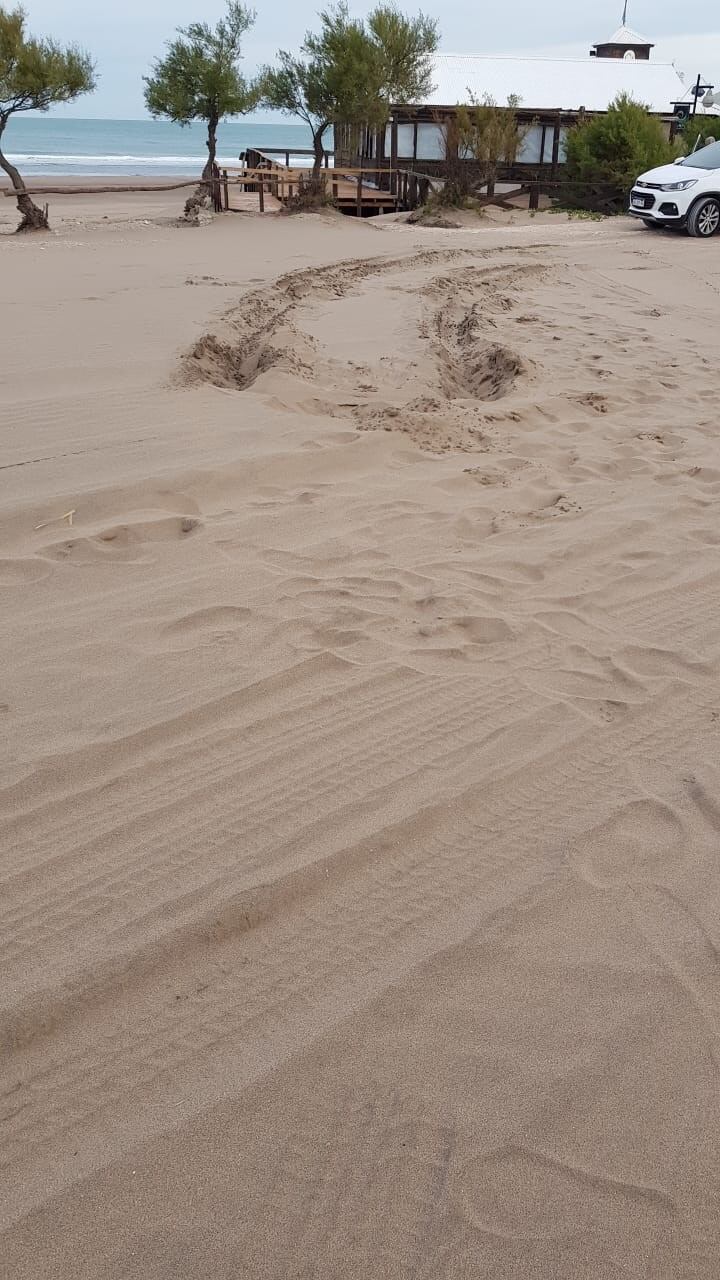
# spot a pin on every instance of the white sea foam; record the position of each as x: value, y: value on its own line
x: 60, y: 161
x: 65, y: 162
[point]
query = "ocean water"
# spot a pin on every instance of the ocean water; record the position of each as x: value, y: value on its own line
x: 47, y: 145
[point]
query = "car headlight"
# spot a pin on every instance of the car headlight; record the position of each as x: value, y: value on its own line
x: 679, y: 186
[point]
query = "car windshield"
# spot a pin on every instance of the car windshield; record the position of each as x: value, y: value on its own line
x: 706, y: 158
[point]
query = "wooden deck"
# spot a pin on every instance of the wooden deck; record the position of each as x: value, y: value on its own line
x: 266, y: 187
x: 241, y: 201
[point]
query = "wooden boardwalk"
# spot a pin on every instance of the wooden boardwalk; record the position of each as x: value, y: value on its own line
x: 267, y: 187
x: 241, y: 201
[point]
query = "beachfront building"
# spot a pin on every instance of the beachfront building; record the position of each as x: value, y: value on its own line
x: 554, y: 94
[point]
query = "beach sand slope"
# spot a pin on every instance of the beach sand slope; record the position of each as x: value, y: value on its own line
x: 360, y: 789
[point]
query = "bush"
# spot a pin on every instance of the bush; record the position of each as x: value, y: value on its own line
x: 702, y: 127
x: 479, y: 138
x: 606, y: 153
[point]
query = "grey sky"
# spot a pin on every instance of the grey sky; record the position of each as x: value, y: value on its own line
x: 125, y: 38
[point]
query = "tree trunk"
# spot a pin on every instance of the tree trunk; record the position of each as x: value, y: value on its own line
x: 202, y: 197
x: 212, y: 148
x: 319, y: 150
x: 33, y: 218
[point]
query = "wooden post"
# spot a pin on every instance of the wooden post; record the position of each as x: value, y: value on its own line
x: 334, y: 186
x: 261, y: 192
x: 359, y: 195
x: 226, y: 189
x: 556, y: 147
x: 393, y: 154
x: 287, y: 159
x: 535, y: 195
x: 216, y: 193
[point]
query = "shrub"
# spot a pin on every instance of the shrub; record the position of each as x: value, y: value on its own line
x: 606, y: 153
x: 702, y: 127
x: 479, y: 138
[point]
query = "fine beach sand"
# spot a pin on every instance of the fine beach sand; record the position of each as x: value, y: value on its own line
x: 360, y: 788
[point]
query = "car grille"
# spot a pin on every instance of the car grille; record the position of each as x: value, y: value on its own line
x: 639, y: 200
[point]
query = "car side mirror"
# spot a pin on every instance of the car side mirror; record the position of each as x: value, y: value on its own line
x: 678, y: 159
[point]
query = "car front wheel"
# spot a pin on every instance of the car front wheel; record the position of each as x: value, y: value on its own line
x: 704, y: 218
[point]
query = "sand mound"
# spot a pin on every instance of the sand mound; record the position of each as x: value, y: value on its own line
x: 274, y: 332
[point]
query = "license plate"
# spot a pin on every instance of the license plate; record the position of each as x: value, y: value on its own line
x: 639, y: 202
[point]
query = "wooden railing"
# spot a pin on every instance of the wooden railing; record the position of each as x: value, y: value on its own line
x: 345, y: 185
x: 253, y: 157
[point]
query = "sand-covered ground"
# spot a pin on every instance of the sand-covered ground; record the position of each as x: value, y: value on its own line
x: 360, y: 784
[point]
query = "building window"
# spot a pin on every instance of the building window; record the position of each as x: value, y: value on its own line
x: 406, y: 141
x: 529, y: 151
x: 431, y: 142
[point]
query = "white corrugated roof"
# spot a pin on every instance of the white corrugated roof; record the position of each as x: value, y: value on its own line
x: 545, y: 84
x: 624, y: 35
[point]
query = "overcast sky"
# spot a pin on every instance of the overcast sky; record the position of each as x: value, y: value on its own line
x: 124, y: 38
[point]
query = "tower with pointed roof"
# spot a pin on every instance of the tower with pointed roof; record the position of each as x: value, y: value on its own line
x: 624, y: 43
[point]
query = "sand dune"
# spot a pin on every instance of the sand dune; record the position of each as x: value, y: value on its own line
x: 361, y: 772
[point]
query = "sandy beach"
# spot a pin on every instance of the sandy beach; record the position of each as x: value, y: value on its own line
x: 360, y: 785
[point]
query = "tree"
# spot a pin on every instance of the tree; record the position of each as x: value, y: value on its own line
x: 328, y: 82
x: 34, y: 76
x: 403, y: 49
x: 199, y: 79
x: 350, y: 71
x: 611, y: 150
x: 489, y: 135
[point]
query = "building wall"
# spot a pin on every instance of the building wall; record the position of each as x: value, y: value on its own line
x: 423, y: 141
x: 642, y: 52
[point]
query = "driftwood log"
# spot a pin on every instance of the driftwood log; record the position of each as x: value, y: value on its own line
x: 90, y: 191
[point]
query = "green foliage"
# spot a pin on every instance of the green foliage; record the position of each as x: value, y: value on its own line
x: 328, y: 81
x: 480, y: 136
x: 403, y: 49
x: 488, y: 134
x: 613, y: 149
x: 199, y: 79
x: 350, y: 71
x: 36, y: 74
x: 703, y: 127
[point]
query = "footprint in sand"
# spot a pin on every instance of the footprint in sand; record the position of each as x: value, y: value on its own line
x: 123, y: 542
x: 517, y: 1193
x: 18, y: 573
x: 642, y: 841
x: 211, y: 622
x: 484, y: 630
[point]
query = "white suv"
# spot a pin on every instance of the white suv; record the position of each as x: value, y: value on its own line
x: 690, y: 198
